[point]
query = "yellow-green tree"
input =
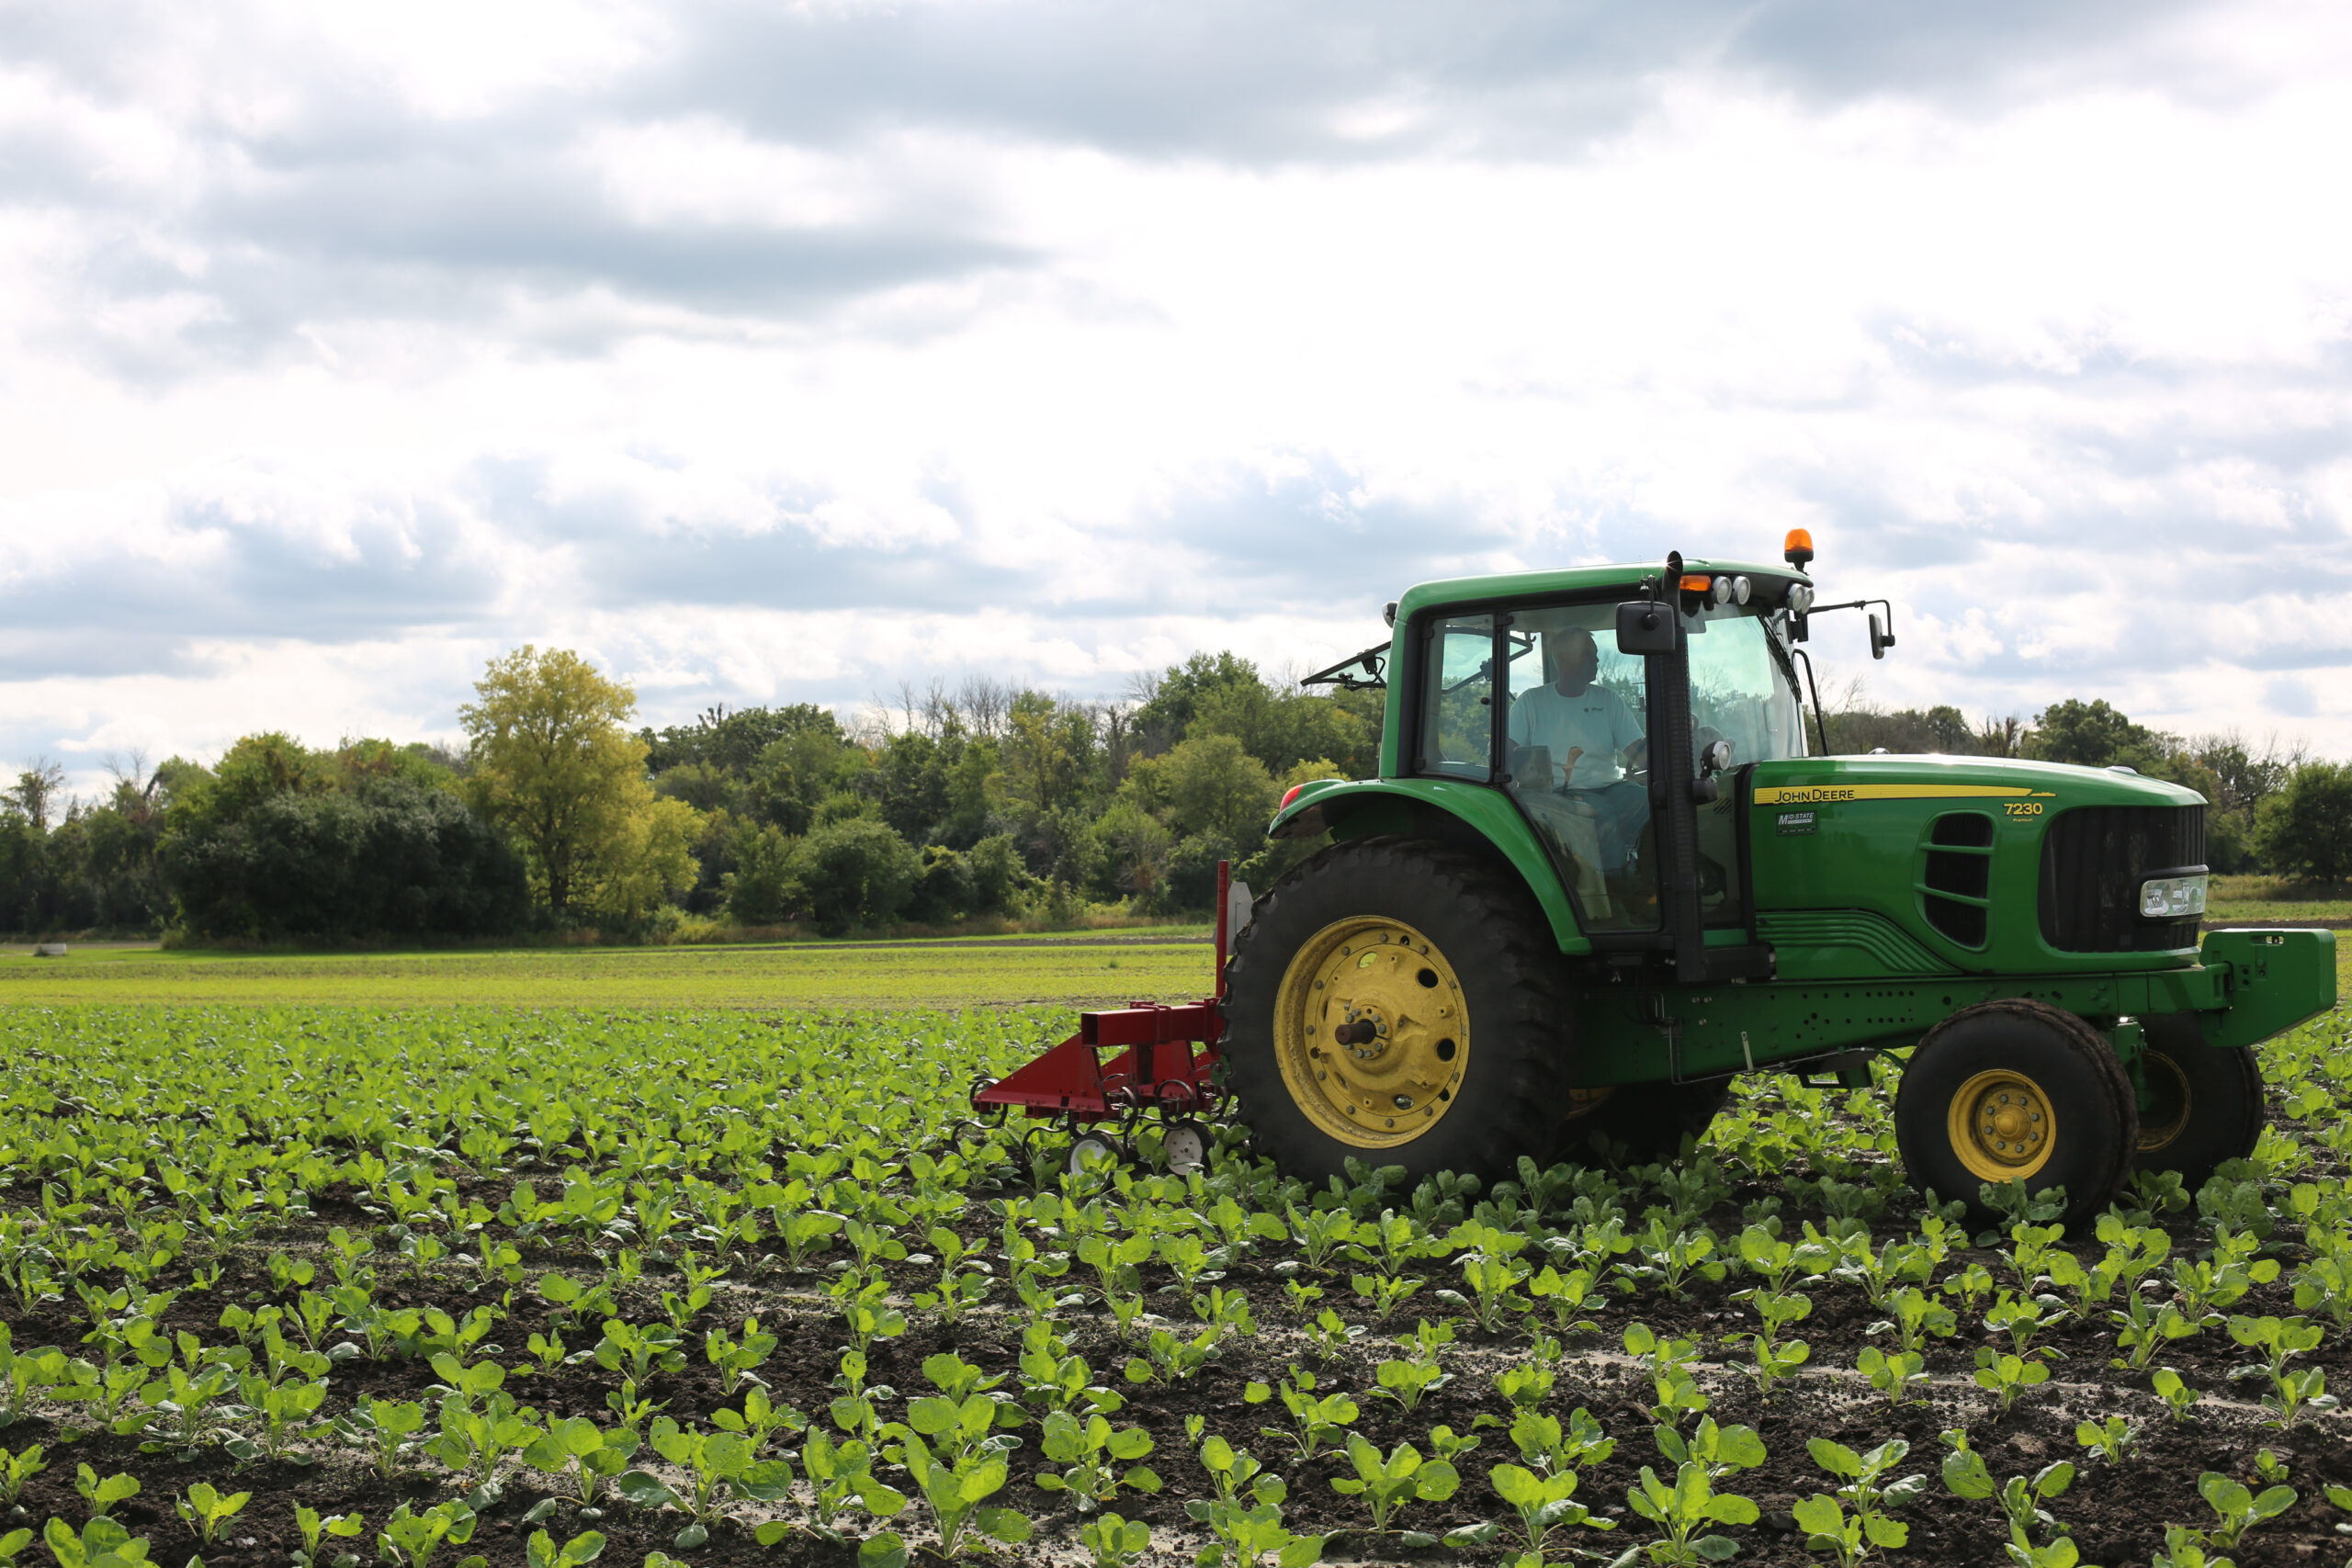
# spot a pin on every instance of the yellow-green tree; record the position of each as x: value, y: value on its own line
x: 554, y: 762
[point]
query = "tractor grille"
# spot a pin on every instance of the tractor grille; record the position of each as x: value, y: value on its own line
x: 2092, y: 861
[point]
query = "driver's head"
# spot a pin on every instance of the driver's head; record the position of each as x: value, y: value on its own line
x: 1576, y: 659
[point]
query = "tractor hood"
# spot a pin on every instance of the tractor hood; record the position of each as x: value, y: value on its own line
x: 1924, y: 865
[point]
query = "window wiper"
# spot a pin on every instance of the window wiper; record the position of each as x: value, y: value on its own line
x: 1365, y: 672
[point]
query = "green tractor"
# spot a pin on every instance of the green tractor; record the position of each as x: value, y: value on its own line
x: 1607, y: 867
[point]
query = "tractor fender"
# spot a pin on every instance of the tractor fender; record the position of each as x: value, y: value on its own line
x: 1450, y: 811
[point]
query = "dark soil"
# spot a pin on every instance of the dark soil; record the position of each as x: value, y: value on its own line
x: 2116, y: 1513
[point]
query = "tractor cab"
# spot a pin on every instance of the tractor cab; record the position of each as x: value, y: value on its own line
x: 1622, y: 714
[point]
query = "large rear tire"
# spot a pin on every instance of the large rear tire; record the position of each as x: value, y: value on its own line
x: 1399, y: 1003
x: 2017, y: 1091
x: 2207, y: 1102
x: 1640, y: 1123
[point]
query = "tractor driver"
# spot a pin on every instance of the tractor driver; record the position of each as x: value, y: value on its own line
x: 1585, y: 727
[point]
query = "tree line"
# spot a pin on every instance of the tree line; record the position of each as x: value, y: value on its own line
x: 984, y: 800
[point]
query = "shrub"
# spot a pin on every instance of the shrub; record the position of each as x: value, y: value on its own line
x: 857, y: 871
x: 2305, y: 830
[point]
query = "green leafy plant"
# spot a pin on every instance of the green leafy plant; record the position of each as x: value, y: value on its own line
x: 2009, y: 1376
x: 103, y: 1494
x: 1720, y: 1450
x: 2292, y: 1390
x: 17, y: 1469
x: 1900, y: 1376
x: 1112, y: 1541
x: 2113, y: 1440
x: 1684, y: 1510
x: 102, y: 1543
x: 1865, y: 1487
x: 541, y: 1550
x: 955, y: 1489
x: 586, y: 1453
x: 2239, y: 1507
x: 841, y: 1476
x: 1316, y: 1421
x: 719, y: 1467
x: 1389, y: 1482
x: 411, y: 1540
x: 205, y: 1509
x: 2020, y: 1498
x: 1543, y: 1505
x: 2180, y: 1398
x: 315, y: 1527
x: 1092, y: 1452
x: 738, y: 1359
x: 1550, y: 1450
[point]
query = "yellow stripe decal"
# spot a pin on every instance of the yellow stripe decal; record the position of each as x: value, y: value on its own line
x: 1829, y: 794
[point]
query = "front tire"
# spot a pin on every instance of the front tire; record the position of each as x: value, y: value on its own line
x: 2207, y: 1101
x: 2017, y: 1091
x: 1399, y: 1003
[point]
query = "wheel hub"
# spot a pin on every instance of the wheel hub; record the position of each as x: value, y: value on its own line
x: 1370, y: 1032
x: 2001, y: 1125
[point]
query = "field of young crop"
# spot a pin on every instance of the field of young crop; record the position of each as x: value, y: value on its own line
x: 421, y: 1286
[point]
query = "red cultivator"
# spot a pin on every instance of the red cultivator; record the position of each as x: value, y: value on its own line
x: 1166, y: 1058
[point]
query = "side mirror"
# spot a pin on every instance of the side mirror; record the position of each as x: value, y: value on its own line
x: 1881, y: 638
x: 1646, y: 626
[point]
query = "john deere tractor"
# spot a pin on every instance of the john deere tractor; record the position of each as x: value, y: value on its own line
x: 1609, y: 865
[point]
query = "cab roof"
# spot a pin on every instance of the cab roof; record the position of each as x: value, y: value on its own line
x: 1770, y: 583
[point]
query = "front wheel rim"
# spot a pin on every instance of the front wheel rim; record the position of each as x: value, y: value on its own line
x: 2001, y: 1125
x: 1371, y: 1032
x: 2168, y: 1088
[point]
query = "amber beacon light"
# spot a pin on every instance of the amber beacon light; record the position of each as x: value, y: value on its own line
x: 1797, y: 549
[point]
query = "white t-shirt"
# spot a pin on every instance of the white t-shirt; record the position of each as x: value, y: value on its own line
x: 1596, y: 720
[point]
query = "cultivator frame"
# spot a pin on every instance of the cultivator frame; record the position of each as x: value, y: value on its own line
x: 1166, y: 1063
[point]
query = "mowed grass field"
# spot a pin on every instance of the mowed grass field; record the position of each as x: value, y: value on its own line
x: 1088, y: 969
x: 1080, y: 969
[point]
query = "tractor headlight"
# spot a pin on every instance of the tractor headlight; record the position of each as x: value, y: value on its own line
x: 1800, y: 598
x: 1740, y: 589
x: 2172, y: 898
x: 1720, y: 589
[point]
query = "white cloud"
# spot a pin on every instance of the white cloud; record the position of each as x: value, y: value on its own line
x: 784, y: 356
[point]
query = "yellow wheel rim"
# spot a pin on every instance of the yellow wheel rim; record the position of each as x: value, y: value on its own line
x: 1583, y: 1102
x: 2169, y: 1085
x: 1371, y: 1032
x: 2001, y: 1125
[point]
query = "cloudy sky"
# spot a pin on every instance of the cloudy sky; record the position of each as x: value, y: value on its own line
x: 785, y: 351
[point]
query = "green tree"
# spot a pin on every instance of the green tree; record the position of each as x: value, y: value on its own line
x: 1213, y: 786
x: 1045, y: 754
x: 763, y: 889
x: 1282, y: 731
x: 998, y: 875
x: 856, y: 872
x: 1172, y: 701
x: 2090, y: 733
x: 2305, y: 829
x: 554, y: 763
x: 731, y: 742
x: 37, y: 791
x: 281, y: 841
